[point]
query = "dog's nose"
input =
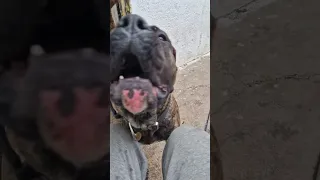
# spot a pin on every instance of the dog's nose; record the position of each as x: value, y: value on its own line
x: 133, y: 23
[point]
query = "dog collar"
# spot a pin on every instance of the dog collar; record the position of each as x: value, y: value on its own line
x: 138, y: 134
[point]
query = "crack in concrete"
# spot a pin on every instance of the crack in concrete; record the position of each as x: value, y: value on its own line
x: 237, y: 10
x: 296, y: 77
x: 241, y: 12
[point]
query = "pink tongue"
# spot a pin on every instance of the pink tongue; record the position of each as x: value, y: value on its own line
x: 134, y: 101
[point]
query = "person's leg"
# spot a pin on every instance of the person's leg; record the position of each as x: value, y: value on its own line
x: 187, y: 155
x: 127, y: 160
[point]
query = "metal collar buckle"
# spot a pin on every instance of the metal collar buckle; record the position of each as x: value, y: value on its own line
x: 137, y: 136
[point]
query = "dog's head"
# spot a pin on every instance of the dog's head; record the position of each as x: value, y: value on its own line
x: 143, y: 68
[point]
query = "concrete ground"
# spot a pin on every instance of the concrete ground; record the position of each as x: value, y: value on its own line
x: 266, y: 83
x: 265, y: 80
x: 192, y: 92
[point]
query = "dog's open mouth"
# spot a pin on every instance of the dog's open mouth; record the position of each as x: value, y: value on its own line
x: 135, y: 88
x: 131, y: 68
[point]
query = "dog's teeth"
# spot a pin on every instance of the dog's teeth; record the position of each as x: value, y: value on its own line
x: 121, y: 77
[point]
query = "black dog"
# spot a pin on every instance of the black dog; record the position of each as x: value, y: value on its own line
x: 143, y: 65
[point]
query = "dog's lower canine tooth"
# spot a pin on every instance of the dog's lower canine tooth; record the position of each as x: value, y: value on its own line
x: 121, y: 77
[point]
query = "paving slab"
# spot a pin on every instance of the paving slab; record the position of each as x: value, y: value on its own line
x: 266, y: 83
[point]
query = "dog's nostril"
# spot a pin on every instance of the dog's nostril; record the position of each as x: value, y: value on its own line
x: 141, y: 24
x: 133, y: 23
x: 124, y: 22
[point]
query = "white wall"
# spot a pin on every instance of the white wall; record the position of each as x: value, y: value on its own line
x: 187, y: 23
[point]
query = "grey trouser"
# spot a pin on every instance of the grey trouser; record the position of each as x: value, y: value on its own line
x: 186, y: 155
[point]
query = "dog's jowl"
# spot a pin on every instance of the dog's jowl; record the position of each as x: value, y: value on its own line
x: 143, y: 68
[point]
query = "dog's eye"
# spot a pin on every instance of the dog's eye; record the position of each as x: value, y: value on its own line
x: 154, y: 28
x: 162, y: 37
